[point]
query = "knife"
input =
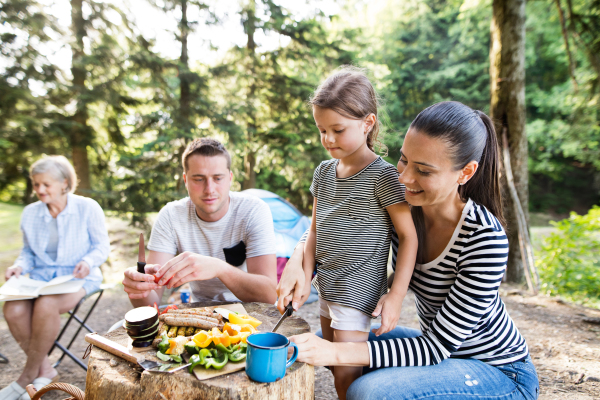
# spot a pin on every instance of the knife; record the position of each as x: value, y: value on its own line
x: 141, y: 256
x: 289, y: 310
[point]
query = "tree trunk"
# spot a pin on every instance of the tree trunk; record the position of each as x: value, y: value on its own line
x: 80, y: 131
x: 507, y: 108
x: 249, y: 181
x: 184, y: 83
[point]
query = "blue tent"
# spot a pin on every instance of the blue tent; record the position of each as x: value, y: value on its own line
x: 289, y: 223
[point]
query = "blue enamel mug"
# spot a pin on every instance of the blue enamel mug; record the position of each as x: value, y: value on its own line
x: 267, y: 356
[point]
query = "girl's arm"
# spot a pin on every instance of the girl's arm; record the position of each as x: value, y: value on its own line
x: 292, y: 282
x: 389, y: 305
x: 310, y: 247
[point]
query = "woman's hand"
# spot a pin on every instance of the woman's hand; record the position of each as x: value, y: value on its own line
x: 292, y: 285
x: 15, y: 271
x: 82, y: 269
x: 314, y: 350
x: 389, y: 306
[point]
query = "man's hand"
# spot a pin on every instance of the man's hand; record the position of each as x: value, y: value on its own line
x: 389, y: 307
x: 292, y: 286
x: 15, y: 271
x: 82, y: 269
x: 139, y: 286
x: 188, y: 267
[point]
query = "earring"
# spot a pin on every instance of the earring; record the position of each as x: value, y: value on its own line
x: 462, y: 183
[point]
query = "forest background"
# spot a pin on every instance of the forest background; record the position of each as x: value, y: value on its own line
x: 103, y: 92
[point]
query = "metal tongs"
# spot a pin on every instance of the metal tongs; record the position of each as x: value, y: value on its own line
x: 289, y: 310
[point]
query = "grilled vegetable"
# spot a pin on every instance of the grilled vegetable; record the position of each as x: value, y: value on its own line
x: 172, y: 331
x: 163, y: 328
x: 181, y: 331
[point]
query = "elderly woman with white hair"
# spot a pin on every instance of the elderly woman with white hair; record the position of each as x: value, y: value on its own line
x: 63, y: 234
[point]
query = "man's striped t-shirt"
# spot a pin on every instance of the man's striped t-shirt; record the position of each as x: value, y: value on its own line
x: 354, y: 232
x: 459, y: 308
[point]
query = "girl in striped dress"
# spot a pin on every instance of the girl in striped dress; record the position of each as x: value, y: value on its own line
x: 357, y: 200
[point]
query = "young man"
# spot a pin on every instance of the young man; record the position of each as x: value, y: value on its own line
x: 225, y: 240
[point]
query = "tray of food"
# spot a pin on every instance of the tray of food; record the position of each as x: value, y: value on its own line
x: 205, y: 341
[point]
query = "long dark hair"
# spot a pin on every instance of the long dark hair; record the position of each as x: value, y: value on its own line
x: 470, y: 136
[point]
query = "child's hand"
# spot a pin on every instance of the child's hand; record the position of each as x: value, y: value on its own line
x: 389, y: 307
x: 82, y: 269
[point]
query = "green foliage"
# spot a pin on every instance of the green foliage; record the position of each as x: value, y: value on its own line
x: 568, y: 262
x: 563, y: 121
x: 23, y: 115
x: 430, y: 52
x: 142, y: 108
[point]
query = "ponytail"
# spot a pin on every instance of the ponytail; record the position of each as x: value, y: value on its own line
x: 470, y: 136
x: 484, y: 186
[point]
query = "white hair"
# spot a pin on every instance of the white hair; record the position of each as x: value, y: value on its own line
x: 59, y: 167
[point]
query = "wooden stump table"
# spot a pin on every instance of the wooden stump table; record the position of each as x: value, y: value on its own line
x: 125, y: 381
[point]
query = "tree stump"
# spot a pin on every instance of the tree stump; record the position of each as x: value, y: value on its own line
x: 127, y: 381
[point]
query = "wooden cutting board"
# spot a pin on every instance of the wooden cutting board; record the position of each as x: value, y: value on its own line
x: 203, y: 373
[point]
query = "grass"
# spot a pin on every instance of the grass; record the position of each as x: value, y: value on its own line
x: 10, y: 235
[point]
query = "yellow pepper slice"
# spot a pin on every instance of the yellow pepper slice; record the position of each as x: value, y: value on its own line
x: 225, y: 339
x: 242, y: 319
x: 235, y: 338
x: 229, y: 329
x: 203, y: 339
x: 247, y: 328
x: 244, y: 335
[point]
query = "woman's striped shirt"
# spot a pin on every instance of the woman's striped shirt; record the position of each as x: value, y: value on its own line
x: 354, y: 232
x: 459, y: 308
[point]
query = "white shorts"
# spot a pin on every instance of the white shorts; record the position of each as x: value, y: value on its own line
x: 344, y: 318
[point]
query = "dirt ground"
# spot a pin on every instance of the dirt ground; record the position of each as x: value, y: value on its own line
x: 564, y: 347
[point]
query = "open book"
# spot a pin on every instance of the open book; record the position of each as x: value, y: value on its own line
x: 22, y: 288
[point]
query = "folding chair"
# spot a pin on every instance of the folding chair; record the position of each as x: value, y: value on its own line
x: 82, y: 324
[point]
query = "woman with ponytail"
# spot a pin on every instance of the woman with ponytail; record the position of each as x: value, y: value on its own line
x: 467, y: 343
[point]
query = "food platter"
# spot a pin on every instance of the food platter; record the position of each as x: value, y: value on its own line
x: 113, y: 377
x: 170, y: 325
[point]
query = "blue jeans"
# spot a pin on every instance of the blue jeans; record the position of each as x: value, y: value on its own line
x: 452, y: 379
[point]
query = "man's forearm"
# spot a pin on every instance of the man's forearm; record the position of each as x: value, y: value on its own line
x: 247, y: 286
